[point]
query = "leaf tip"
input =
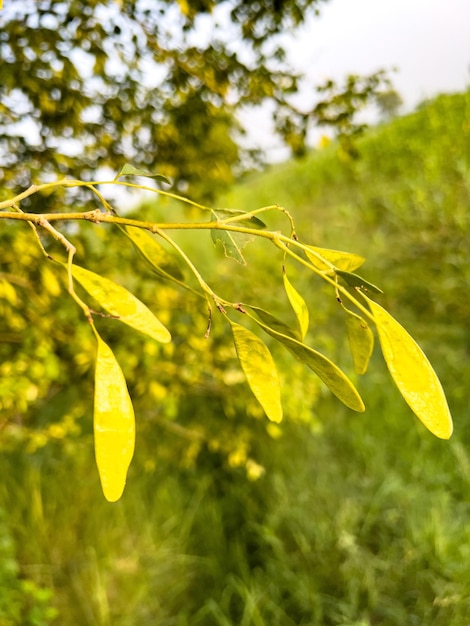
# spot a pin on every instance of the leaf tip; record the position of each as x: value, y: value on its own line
x: 359, y: 405
x: 443, y: 430
x: 112, y: 495
x: 276, y: 415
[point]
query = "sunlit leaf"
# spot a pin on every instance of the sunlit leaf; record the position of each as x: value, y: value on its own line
x: 353, y: 280
x: 346, y: 261
x: 161, y: 261
x: 337, y: 382
x: 412, y: 373
x: 361, y: 341
x: 298, y: 305
x: 272, y: 321
x: 114, y: 423
x: 260, y: 370
x: 130, y: 170
x: 120, y: 303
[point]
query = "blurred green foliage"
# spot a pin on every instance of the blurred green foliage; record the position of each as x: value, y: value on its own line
x: 22, y: 600
x: 95, y: 84
x: 331, y: 519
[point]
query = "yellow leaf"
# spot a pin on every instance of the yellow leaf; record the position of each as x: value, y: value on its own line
x: 412, y: 373
x: 160, y: 260
x: 260, y: 370
x: 298, y: 305
x: 346, y: 261
x: 336, y: 380
x: 119, y: 302
x: 361, y: 341
x: 114, y: 423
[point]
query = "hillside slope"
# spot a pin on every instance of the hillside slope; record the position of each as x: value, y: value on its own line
x: 404, y: 204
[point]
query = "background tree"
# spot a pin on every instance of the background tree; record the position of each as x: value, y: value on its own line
x: 85, y: 85
x: 389, y: 103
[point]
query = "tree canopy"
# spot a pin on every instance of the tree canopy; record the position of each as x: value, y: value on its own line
x: 85, y: 85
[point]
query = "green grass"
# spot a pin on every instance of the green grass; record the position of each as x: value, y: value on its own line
x: 358, y: 520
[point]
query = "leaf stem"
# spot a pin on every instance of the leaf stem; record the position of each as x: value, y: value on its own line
x: 92, y: 184
x: 204, y: 286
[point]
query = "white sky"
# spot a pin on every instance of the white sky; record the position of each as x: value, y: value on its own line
x: 428, y: 41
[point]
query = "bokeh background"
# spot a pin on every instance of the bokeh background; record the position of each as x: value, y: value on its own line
x: 331, y: 518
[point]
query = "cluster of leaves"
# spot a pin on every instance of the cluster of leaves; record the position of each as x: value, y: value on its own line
x: 95, y: 84
x: 114, y: 420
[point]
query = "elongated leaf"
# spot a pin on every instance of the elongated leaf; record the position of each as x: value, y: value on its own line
x: 336, y: 381
x: 412, y: 373
x: 353, y: 280
x: 130, y: 170
x: 298, y: 305
x: 342, y: 260
x: 260, y: 370
x: 161, y: 261
x: 114, y: 423
x: 272, y: 322
x: 119, y: 302
x: 361, y: 341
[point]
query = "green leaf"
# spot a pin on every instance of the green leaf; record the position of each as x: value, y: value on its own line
x: 353, y: 280
x: 114, y: 423
x: 161, y: 261
x: 412, y: 373
x: 260, y: 370
x: 298, y: 305
x: 361, y: 341
x: 232, y: 242
x: 342, y: 260
x: 337, y: 382
x: 130, y: 170
x: 119, y: 302
x: 232, y: 249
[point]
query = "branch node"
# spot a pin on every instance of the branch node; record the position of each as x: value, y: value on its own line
x: 95, y: 216
x: 101, y: 314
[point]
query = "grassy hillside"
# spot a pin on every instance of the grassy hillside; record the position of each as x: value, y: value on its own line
x: 358, y: 520
x: 397, y: 496
x: 405, y: 206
